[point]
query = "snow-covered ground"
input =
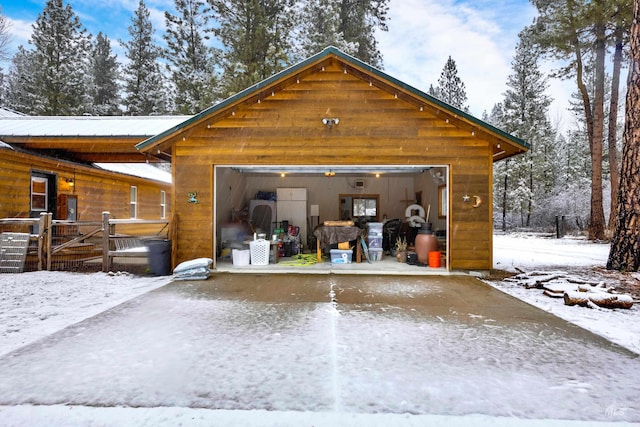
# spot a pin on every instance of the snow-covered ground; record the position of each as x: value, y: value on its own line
x: 571, y: 261
x: 36, y: 305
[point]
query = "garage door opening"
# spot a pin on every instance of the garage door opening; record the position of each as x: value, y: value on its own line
x: 287, y: 205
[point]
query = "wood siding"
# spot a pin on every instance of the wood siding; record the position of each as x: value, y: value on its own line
x: 97, y: 190
x: 375, y: 128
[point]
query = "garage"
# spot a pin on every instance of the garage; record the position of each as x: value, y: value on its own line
x: 362, y: 144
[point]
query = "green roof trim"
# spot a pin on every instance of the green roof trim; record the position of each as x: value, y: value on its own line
x: 317, y: 57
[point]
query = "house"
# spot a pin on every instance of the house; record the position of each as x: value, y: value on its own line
x: 352, y: 137
x: 64, y: 165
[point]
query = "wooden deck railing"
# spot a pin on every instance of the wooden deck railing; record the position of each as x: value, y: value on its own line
x: 42, y: 230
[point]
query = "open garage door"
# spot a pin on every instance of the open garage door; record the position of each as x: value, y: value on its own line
x: 287, y: 203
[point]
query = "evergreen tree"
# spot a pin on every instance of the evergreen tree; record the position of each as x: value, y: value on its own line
x: 144, y: 90
x: 450, y: 87
x: 191, y: 62
x: 105, y: 73
x: 61, y: 48
x: 21, y: 93
x: 572, y: 31
x: 5, y: 36
x: 358, y: 22
x: 256, y: 39
x: 525, y: 116
x: 320, y: 27
x: 625, y: 244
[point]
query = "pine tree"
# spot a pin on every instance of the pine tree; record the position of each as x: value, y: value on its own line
x: 5, y: 36
x: 256, y: 39
x: 105, y: 72
x: 625, y: 244
x: 320, y: 27
x: 191, y: 62
x: 450, y: 87
x: 21, y: 93
x: 573, y: 31
x: 144, y: 90
x: 525, y: 116
x: 61, y: 48
x: 358, y: 22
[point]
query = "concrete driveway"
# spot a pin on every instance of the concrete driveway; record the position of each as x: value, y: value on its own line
x: 362, y: 344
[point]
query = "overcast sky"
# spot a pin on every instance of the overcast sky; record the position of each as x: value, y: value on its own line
x: 480, y: 35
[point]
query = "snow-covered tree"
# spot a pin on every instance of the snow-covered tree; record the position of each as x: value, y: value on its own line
x: 5, y: 36
x: 144, y: 83
x: 191, y: 62
x: 105, y: 73
x: 359, y: 20
x: 525, y: 115
x: 320, y: 27
x: 256, y: 39
x: 20, y: 90
x: 450, y: 87
x: 57, y: 65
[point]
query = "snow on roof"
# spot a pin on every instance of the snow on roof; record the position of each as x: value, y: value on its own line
x: 141, y: 170
x: 142, y: 126
x: 7, y: 112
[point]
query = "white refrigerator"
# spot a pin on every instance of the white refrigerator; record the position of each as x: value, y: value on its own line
x: 292, y: 206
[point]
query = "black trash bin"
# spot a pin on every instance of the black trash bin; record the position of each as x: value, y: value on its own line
x: 159, y: 256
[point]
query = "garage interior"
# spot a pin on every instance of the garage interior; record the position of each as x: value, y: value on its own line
x: 285, y: 204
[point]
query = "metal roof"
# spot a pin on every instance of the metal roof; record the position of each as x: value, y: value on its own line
x: 86, y: 126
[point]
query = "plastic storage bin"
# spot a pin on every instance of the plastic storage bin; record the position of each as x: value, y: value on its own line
x: 341, y: 256
x: 375, y: 254
x: 241, y: 257
x: 259, y: 252
x: 375, y: 229
x: 375, y: 242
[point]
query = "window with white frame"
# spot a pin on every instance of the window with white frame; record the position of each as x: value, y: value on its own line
x: 163, y: 204
x: 39, y: 194
x: 133, y: 204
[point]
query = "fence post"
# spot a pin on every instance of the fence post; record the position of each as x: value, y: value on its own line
x: 42, y: 223
x: 49, y: 239
x: 105, y: 242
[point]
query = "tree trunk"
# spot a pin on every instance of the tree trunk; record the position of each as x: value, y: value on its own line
x: 597, y: 224
x: 625, y: 244
x: 612, y: 137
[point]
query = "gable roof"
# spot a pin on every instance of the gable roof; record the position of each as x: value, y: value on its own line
x: 364, y: 71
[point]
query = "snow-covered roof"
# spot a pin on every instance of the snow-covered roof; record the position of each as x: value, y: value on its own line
x: 105, y: 126
x: 141, y: 170
x: 7, y: 112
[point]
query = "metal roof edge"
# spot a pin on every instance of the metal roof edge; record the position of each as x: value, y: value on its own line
x: 328, y: 51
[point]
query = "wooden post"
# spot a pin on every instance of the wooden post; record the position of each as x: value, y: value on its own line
x: 48, y: 239
x: 105, y: 242
x: 41, y: 242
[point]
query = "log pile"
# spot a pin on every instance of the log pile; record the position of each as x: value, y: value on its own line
x: 574, y: 291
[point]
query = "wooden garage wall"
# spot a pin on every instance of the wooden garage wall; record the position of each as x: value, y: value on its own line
x: 375, y: 127
x: 97, y: 190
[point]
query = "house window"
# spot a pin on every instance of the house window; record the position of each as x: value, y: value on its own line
x: 365, y: 208
x: 133, y: 209
x: 163, y: 204
x: 39, y: 194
